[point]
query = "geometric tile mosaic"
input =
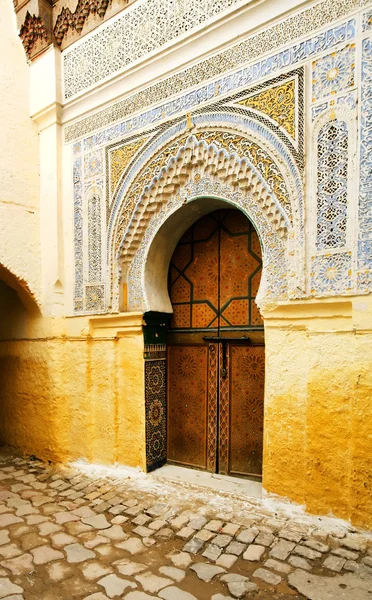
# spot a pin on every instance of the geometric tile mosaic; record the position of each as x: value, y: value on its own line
x: 333, y: 73
x: 331, y: 274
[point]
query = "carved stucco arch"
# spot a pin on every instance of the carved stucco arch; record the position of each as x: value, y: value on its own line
x: 221, y: 167
x: 147, y: 275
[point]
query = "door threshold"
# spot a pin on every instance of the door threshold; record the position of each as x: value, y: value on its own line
x: 213, y: 481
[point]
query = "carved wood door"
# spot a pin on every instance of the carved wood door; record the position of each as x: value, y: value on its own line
x: 215, y: 348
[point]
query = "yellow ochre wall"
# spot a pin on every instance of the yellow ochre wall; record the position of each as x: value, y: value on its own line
x: 318, y: 406
x: 74, y: 388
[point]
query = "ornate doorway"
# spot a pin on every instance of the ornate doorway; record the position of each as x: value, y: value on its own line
x: 215, y: 348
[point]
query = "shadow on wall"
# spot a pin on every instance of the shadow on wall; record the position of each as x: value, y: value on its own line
x: 20, y: 365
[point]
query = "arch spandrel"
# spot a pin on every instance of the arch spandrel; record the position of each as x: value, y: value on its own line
x: 166, y: 178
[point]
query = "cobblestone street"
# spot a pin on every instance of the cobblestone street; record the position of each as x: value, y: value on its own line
x: 75, y: 533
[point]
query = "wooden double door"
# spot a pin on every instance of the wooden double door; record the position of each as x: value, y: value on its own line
x: 216, y: 362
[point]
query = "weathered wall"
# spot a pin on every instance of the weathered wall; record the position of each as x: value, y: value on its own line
x: 71, y: 391
x: 19, y: 173
x: 318, y: 411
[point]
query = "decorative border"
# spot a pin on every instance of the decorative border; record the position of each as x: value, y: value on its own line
x: 142, y: 29
x: 364, y: 273
x: 242, y: 53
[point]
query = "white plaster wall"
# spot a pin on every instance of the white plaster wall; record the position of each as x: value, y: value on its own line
x: 19, y: 160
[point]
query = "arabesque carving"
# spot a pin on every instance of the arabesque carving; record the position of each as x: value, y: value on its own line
x: 207, y: 159
x: 67, y: 20
x: 32, y: 32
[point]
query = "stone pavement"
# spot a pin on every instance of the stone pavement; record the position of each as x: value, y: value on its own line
x: 74, y: 533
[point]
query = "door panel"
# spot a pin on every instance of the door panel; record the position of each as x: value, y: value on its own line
x: 187, y: 405
x: 247, y: 373
x: 215, y: 388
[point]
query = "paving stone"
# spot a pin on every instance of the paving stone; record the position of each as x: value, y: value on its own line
x: 115, y: 532
x: 356, y: 542
x: 26, y: 510
x: 247, y: 536
x: 148, y: 541
x: 334, y: 563
x: 267, y: 576
x: 226, y: 560
x: 238, y: 585
x: 143, y: 531
x: 222, y: 540
x: 307, y: 552
x: 254, y: 552
x: 204, y: 535
x: 14, y: 597
x: 300, y: 563
x: 157, y: 510
x: 84, y: 512
x: 59, y: 571
x: 77, y: 528
x: 348, y: 554
x: 367, y: 560
x: 193, y: 545
x: 206, y: 572
x: 114, y: 585
x: 236, y: 548
x: 7, y: 587
x: 282, y: 567
x: 21, y: 565
x: 214, y: 525
x: 97, y: 522
x: 315, y: 545
x: 97, y: 596
x: 76, y: 553
x: 36, y: 519
x: 282, y: 549
x: 141, y: 520
x: 128, y: 567
x: 62, y: 539
x: 119, y: 520
x: 239, y: 589
x: 10, y: 551
x: 9, y: 519
x: 157, y: 524
x: 132, y: 545
x: 233, y: 578
x: 179, y: 522
x: 166, y: 532
x: 47, y: 528
x: 212, y: 552
x: 337, y: 587
x: 221, y: 597
x: 174, y: 573
x: 45, y: 554
x: 152, y: 583
x: 352, y: 566
x: 264, y: 538
x: 197, y: 522
x: 185, y: 533
x: 91, y: 540
x: 117, y: 510
x: 230, y: 528
x: 182, y: 560
x: 104, y: 549
x: 174, y: 593
x: 95, y: 570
